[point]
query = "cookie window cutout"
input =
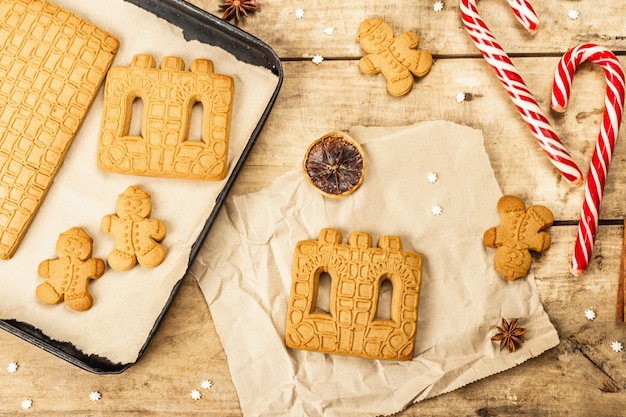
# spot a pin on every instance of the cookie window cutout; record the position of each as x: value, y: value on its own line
x: 166, y: 145
x: 335, y: 164
x: 136, y: 234
x: 396, y: 57
x: 356, y: 323
x: 520, y: 231
x: 68, y: 276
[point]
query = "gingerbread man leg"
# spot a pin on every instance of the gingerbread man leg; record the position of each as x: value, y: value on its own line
x: 121, y: 261
x: 48, y: 294
x: 152, y: 257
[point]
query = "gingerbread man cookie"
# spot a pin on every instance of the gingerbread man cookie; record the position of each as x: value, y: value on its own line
x: 68, y: 276
x: 396, y: 57
x: 136, y: 235
x: 519, y: 232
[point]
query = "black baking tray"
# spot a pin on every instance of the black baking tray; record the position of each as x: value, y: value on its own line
x: 206, y: 28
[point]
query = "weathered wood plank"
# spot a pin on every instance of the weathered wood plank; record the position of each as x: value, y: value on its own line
x: 442, y: 33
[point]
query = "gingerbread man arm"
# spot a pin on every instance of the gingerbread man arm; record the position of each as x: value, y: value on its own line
x: 95, y: 266
x: 410, y: 39
x: 159, y: 230
x: 43, y: 270
x: 106, y: 223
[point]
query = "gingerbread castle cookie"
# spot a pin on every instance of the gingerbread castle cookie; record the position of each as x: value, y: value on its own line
x: 397, y: 58
x: 168, y: 93
x: 136, y: 235
x: 67, y: 277
x: 519, y: 232
x: 52, y: 63
x: 357, y: 271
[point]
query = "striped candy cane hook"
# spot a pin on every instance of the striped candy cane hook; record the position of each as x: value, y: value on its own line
x: 515, y: 86
x: 601, y: 158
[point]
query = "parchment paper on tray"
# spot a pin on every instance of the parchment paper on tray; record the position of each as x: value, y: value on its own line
x: 126, y: 304
x: 244, y: 270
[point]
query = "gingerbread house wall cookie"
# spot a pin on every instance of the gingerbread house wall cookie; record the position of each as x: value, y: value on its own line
x: 357, y: 271
x: 52, y: 63
x: 168, y: 94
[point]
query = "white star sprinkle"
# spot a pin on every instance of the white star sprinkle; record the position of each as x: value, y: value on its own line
x: 299, y: 13
x: 317, y: 59
x: 432, y: 177
x: 12, y: 367
x: 436, y: 210
x: 329, y: 30
x: 460, y: 97
x: 617, y: 346
x: 590, y: 314
x: 95, y: 396
x: 195, y: 394
x: 26, y: 404
x: 573, y: 14
x: 438, y: 6
x: 206, y: 384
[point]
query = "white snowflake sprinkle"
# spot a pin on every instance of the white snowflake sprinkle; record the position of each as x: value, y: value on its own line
x: 432, y: 177
x: 329, y: 30
x: 436, y: 210
x: 590, y: 314
x: 206, y: 384
x: 12, y: 367
x: 195, y: 394
x: 26, y: 404
x: 299, y: 13
x: 617, y: 346
x: 438, y: 6
x: 95, y: 396
x: 460, y: 97
x: 317, y: 59
x: 573, y: 14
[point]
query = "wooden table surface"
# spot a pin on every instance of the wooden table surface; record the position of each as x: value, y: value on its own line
x: 582, y: 376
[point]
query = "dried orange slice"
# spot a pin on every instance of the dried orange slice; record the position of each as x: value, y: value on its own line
x: 335, y: 164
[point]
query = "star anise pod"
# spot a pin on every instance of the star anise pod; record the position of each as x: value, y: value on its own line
x: 238, y: 8
x: 509, y: 334
x: 334, y: 164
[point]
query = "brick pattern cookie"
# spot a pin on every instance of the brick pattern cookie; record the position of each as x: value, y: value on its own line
x: 52, y: 63
x: 396, y: 57
x: 357, y: 271
x: 136, y: 235
x: 68, y: 276
x: 519, y: 232
x: 168, y: 93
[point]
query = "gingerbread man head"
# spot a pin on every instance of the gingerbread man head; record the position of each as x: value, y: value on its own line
x: 74, y: 243
x: 375, y: 35
x: 134, y: 202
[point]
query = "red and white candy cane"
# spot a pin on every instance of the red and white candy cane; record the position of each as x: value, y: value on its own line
x: 515, y: 86
x: 601, y: 158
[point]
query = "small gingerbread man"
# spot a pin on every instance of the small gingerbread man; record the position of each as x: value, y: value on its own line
x: 519, y: 232
x: 68, y: 276
x: 396, y: 57
x: 136, y: 235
